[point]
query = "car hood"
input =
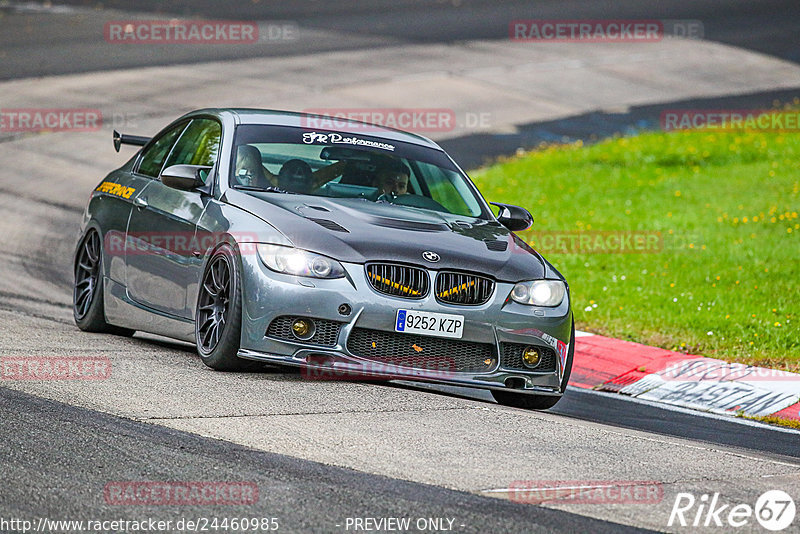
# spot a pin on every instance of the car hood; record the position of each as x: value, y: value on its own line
x: 358, y: 231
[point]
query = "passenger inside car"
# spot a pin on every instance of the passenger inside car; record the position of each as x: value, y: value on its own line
x: 295, y: 175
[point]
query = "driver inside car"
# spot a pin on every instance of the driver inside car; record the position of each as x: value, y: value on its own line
x: 393, y: 180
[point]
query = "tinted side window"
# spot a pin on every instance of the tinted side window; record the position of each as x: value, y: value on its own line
x: 448, y: 189
x: 198, y: 145
x: 153, y: 158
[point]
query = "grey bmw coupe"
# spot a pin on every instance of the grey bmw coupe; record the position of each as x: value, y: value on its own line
x: 354, y: 251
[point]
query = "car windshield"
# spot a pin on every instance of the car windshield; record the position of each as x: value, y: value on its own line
x: 347, y: 165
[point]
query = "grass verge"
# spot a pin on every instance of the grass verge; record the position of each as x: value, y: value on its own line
x: 718, y: 211
x: 771, y: 420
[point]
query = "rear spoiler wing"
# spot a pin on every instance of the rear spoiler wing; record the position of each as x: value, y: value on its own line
x: 125, y: 139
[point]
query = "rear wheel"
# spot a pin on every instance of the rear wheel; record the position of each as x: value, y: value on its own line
x: 538, y: 402
x: 87, y: 293
x: 218, y: 318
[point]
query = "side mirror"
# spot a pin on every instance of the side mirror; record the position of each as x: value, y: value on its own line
x: 184, y: 177
x: 513, y: 217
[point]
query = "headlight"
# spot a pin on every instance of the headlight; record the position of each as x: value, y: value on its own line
x: 289, y: 260
x: 539, y: 292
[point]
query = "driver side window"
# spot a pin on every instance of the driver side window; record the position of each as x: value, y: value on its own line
x: 198, y: 145
x: 153, y: 157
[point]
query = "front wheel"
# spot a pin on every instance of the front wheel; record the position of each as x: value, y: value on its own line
x: 538, y: 402
x: 218, y: 318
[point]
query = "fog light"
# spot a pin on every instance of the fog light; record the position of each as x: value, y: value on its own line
x: 531, y: 357
x: 303, y: 328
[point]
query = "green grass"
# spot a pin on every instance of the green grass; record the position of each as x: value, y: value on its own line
x: 725, y: 284
x: 770, y: 420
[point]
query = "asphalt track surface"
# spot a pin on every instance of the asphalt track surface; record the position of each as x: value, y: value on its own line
x: 76, y: 452
x: 68, y: 38
x: 611, y: 409
x: 63, y: 444
x: 48, y: 43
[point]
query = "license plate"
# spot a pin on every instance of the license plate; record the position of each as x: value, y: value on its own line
x: 429, y: 323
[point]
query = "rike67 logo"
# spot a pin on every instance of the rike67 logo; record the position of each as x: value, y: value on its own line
x: 774, y: 510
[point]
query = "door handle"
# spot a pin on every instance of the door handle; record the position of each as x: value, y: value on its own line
x: 140, y: 202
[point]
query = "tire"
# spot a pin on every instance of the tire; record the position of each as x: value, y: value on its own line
x: 87, y: 290
x: 218, y: 317
x: 538, y: 402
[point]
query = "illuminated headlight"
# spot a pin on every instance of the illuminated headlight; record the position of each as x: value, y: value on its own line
x: 289, y: 260
x: 539, y: 292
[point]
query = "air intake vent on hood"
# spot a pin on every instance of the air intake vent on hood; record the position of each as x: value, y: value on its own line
x: 497, y: 246
x: 330, y: 225
x: 408, y: 225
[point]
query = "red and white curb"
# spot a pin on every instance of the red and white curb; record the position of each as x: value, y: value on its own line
x: 694, y: 382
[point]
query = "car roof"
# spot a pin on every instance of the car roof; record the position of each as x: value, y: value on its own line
x: 300, y: 120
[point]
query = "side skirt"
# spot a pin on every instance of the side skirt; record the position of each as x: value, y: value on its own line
x: 124, y: 312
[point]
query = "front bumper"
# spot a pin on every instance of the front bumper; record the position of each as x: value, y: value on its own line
x: 268, y: 295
